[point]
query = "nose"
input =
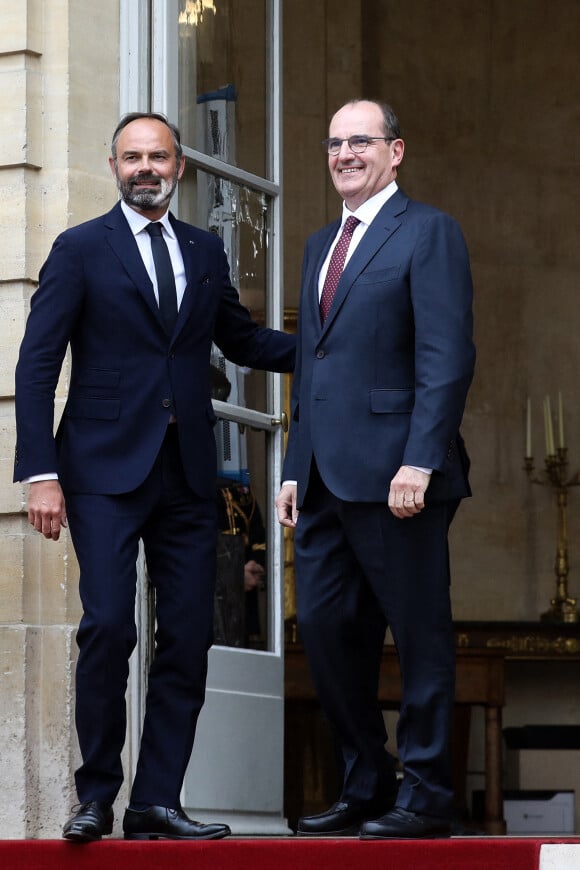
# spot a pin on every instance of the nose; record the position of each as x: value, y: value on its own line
x: 346, y: 152
x: 142, y: 165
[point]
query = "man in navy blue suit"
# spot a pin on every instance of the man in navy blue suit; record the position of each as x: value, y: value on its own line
x: 374, y: 470
x: 134, y: 457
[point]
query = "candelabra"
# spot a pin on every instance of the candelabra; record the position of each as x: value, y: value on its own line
x: 563, y: 606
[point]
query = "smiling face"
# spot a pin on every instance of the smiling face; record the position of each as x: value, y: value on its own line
x: 357, y: 177
x: 146, y: 166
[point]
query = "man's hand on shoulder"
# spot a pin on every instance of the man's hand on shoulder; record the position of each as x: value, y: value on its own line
x: 46, y: 508
x: 407, y: 492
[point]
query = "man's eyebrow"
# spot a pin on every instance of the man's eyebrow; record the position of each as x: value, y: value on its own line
x: 128, y: 152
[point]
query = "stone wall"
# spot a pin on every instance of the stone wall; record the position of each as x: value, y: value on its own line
x: 57, y: 118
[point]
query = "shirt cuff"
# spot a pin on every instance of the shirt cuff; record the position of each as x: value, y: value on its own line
x: 36, y: 478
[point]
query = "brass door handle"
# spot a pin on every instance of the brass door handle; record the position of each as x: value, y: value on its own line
x: 281, y: 421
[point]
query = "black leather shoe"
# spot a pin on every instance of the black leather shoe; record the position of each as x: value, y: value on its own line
x: 162, y: 823
x: 403, y: 824
x: 343, y: 819
x: 91, y: 820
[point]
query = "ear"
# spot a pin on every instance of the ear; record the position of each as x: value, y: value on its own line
x: 398, y: 147
x: 113, y: 167
x: 181, y: 167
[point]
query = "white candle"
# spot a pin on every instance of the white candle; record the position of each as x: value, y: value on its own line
x: 529, y: 429
x: 551, y: 449
x: 561, y: 421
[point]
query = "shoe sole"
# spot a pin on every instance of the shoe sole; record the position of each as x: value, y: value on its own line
x: 440, y: 836
x: 73, y: 837
x: 218, y: 836
x: 343, y: 832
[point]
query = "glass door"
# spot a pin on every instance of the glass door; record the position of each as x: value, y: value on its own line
x: 215, y: 69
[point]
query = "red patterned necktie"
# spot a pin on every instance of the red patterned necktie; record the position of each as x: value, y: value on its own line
x: 336, y: 266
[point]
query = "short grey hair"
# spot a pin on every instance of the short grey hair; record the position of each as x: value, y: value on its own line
x: 390, y: 121
x: 154, y: 116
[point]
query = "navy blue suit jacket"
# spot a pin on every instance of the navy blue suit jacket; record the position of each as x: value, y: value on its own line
x: 126, y: 375
x: 384, y: 382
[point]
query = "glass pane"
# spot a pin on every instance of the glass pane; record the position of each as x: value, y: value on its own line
x: 222, y: 80
x: 242, y: 590
x: 240, y: 217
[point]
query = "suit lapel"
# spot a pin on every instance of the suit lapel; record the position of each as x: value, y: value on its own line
x: 317, y: 261
x: 199, y: 264
x: 122, y: 241
x: 191, y: 252
x: 378, y: 234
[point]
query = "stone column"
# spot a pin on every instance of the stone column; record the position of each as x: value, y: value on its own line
x: 53, y: 172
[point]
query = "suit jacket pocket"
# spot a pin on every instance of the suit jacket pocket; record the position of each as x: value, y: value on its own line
x: 93, y: 408
x: 398, y: 401
x: 104, y: 379
x: 379, y: 276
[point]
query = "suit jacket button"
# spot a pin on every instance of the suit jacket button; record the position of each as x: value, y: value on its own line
x: 166, y: 403
x: 320, y: 354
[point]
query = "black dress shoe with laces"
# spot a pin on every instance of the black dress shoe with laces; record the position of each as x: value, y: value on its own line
x: 90, y: 821
x: 162, y: 823
x: 404, y: 824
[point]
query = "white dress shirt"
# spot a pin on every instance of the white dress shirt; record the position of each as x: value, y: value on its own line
x: 366, y: 213
x: 138, y: 224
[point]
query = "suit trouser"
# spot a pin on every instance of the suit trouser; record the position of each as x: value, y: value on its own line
x: 178, y: 530
x: 359, y: 569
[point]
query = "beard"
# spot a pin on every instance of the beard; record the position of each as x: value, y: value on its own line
x: 148, y: 199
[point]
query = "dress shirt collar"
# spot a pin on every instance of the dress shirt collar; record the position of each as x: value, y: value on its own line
x: 137, y: 221
x: 367, y: 212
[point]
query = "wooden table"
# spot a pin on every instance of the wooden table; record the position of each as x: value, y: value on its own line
x: 479, y: 680
x: 482, y: 651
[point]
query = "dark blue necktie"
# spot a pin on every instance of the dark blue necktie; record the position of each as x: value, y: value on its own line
x: 165, y: 277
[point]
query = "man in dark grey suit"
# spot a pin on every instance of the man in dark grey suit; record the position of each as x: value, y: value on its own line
x: 373, y: 473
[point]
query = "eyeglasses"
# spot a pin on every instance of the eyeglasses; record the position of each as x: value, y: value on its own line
x: 357, y: 144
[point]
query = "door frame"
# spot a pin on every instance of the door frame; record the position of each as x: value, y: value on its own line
x: 244, y: 686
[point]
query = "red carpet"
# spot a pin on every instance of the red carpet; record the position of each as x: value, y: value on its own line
x: 470, y: 853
